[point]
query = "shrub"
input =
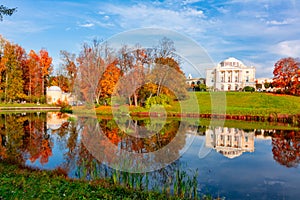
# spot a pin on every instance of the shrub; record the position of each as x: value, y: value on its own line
x: 64, y: 106
x: 161, y: 100
x: 249, y: 89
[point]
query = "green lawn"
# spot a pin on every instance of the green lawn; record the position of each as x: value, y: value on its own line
x: 240, y: 103
x: 232, y: 103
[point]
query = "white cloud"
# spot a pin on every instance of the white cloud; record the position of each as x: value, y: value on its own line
x: 283, y: 22
x: 193, y: 12
x: 87, y: 25
x: 185, y: 2
x: 185, y: 20
x: 289, y: 48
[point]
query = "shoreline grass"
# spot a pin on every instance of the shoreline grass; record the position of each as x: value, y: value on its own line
x: 19, y: 182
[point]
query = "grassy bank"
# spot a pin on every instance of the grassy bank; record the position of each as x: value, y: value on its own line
x: 243, y: 103
x: 236, y: 103
x: 17, y: 182
x: 6, y: 105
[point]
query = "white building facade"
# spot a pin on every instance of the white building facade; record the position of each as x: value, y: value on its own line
x: 230, y: 75
x: 54, y: 93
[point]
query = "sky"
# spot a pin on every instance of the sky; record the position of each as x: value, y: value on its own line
x: 257, y: 32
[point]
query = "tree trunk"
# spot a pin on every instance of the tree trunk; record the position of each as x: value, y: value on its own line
x: 5, y: 90
x: 135, y: 99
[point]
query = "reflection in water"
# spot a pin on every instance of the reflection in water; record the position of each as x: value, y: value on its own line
x: 46, y: 138
x: 231, y: 142
x: 286, y: 147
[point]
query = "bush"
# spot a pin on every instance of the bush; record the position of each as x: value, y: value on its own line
x: 64, y: 106
x: 249, y: 89
x: 161, y: 100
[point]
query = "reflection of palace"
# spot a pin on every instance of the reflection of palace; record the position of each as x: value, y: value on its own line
x: 231, y: 142
x: 55, y: 120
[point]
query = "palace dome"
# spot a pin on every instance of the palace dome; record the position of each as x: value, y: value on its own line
x: 54, y: 89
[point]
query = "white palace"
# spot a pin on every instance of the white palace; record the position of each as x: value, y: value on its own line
x: 230, y: 75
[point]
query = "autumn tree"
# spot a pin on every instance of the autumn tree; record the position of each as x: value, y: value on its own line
x: 287, y: 75
x: 6, y: 11
x: 32, y: 77
x: 165, y: 73
x: 45, y: 68
x: 109, y: 80
x: 165, y: 48
x: 11, y: 72
x: 125, y: 59
x: 69, y: 65
x: 93, y: 61
x: 132, y: 63
x: 61, y: 81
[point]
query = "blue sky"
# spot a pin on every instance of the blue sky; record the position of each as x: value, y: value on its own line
x: 258, y: 32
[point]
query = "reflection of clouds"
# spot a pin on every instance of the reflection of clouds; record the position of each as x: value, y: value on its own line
x: 269, y: 181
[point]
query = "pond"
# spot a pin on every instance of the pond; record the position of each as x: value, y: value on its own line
x: 230, y: 162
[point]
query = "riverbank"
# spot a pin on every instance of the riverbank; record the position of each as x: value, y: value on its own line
x: 238, y: 106
x: 27, y: 107
x: 18, y: 182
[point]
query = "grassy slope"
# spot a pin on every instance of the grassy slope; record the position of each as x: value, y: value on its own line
x: 24, y: 183
x: 239, y: 103
x: 236, y: 103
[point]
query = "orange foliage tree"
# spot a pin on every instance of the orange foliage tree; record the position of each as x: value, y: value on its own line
x: 109, y: 79
x: 45, y: 68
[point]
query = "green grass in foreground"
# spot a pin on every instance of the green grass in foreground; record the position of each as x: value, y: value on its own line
x: 23, y: 183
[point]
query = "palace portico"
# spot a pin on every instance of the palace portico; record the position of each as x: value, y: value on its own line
x: 230, y: 75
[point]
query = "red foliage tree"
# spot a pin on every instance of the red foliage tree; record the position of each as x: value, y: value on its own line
x: 287, y: 75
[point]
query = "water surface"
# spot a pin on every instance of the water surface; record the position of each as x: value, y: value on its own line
x: 235, y: 163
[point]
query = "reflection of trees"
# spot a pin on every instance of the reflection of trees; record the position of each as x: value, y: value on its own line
x: 39, y: 144
x: 151, y: 140
x: 12, y: 134
x: 24, y: 136
x: 286, y: 147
